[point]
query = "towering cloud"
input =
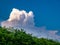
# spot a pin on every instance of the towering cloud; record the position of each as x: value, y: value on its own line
x: 22, y: 19
x: 19, y: 19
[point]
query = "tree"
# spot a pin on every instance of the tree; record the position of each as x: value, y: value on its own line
x: 20, y: 37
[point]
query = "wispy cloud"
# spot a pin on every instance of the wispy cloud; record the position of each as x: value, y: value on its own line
x: 22, y: 19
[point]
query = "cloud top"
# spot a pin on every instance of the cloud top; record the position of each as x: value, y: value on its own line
x: 19, y: 18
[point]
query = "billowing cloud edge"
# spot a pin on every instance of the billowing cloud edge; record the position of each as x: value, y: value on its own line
x: 22, y: 19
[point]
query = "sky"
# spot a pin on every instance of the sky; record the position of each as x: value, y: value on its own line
x: 46, y: 12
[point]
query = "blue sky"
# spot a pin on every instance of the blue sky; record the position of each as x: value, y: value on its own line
x: 46, y: 12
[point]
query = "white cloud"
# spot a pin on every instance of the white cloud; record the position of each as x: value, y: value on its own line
x: 22, y: 19
x: 19, y: 18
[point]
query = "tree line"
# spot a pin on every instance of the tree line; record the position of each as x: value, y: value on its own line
x: 20, y: 37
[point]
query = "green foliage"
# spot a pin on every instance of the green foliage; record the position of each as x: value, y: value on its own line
x: 19, y: 37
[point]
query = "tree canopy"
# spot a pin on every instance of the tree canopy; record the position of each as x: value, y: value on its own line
x: 20, y: 37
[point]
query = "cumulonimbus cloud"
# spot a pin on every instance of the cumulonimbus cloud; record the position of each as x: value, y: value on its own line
x: 19, y: 19
x: 22, y: 19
